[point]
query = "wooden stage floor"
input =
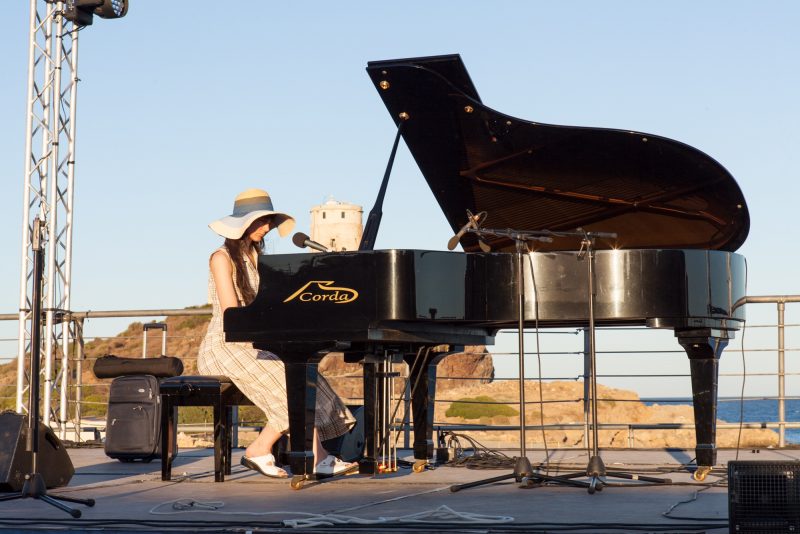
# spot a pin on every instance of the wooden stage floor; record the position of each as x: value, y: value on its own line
x: 131, y: 497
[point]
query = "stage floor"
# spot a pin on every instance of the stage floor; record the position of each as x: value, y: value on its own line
x: 131, y: 496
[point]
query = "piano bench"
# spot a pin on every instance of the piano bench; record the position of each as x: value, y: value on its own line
x: 215, y: 391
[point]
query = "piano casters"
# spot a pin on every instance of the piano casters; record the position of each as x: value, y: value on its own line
x: 34, y: 485
x: 704, y: 347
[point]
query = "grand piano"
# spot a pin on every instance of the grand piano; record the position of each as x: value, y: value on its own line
x: 678, y: 216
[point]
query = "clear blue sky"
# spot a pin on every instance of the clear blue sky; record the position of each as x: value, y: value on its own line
x: 181, y: 109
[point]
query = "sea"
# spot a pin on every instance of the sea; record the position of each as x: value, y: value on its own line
x: 731, y: 410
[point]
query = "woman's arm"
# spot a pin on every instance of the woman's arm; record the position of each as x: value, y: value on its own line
x: 222, y: 271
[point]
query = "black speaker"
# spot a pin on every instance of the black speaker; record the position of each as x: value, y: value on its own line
x: 763, y: 496
x: 52, y: 460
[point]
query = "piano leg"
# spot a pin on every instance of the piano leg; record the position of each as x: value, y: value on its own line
x: 369, y: 463
x: 422, y: 375
x: 300, y: 360
x: 301, y: 392
x: 704, y: 347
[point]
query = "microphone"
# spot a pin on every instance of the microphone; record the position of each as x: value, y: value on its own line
x: 456, y: 238
x: 599, y: 235
x: 302, y: 240
x: 473, y: 222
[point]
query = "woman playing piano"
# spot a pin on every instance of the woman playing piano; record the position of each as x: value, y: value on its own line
x: 234, y: 281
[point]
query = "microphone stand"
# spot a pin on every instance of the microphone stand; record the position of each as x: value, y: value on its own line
x: 595, y: 470
x: 34, y: 485
x: 522, y: 465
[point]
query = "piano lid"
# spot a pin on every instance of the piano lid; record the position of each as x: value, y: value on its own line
x: 652, y: 191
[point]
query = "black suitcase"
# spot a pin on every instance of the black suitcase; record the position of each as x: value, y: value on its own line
x: 133, y: 421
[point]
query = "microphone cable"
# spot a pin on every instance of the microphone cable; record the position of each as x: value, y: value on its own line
x: 744, y: 374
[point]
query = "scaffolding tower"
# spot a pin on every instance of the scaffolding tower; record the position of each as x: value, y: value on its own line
x: 48, y: 191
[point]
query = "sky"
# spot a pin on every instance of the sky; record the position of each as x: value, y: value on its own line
x: 183, y: 105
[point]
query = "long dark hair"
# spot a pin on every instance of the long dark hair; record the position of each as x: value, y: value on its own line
x: 238, y: 248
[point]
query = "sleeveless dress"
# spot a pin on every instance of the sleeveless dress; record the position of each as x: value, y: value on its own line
x: 260, y: 374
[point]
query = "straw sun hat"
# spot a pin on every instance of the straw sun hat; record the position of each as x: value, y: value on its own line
x: 249, y: 206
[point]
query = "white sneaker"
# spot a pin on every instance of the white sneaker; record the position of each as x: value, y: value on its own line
x: 332, y: 466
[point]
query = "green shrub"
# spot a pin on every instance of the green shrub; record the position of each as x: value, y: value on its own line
x: 478, y: 407
x: 193, y: 321
x: 195, y: 415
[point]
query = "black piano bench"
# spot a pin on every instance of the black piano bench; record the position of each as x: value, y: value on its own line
x: 215, y: 391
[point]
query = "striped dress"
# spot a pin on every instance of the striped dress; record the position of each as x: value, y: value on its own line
x: 260, y: 374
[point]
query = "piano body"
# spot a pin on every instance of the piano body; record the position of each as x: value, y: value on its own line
x: 679, y: 217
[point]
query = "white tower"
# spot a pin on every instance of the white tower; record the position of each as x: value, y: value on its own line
x: 337, y: 225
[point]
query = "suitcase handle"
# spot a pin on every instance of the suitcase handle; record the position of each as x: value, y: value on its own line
x: 154, y: 326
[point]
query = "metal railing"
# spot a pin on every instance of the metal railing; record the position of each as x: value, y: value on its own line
x: 78, y: 359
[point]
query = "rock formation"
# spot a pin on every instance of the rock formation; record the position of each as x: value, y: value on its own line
x: 562, y: 404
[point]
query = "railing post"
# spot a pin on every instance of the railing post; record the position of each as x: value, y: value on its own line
x: 781, y: 376
x: 236, y: 423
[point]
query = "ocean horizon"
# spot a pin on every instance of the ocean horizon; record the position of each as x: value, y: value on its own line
x: 733, y: 409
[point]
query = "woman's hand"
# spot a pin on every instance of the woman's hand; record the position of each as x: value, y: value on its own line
x: 222, y: 271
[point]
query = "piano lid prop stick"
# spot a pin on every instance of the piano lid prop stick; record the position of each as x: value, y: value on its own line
x: 376, y: 213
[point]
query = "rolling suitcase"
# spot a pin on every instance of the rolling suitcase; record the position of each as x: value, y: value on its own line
x: 133, y: 421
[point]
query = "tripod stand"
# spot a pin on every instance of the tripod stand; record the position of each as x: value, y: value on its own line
x: 34, y: 485
x: 596, y: 469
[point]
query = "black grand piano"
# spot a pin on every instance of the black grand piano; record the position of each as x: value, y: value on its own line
x: 678, y: 215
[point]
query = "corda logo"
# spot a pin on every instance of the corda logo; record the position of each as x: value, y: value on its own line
x: 323, y: 291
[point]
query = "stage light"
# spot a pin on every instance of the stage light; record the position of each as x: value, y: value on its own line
x: 81, y: 12
x: 112, y: 9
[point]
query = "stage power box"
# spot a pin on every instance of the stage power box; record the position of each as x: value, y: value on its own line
x: 763, y: 496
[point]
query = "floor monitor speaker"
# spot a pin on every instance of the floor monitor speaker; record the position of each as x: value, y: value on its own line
x: 15, y: 462
x: 764, y: 496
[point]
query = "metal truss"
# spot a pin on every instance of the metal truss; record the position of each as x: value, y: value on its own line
x: 48, y: 195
